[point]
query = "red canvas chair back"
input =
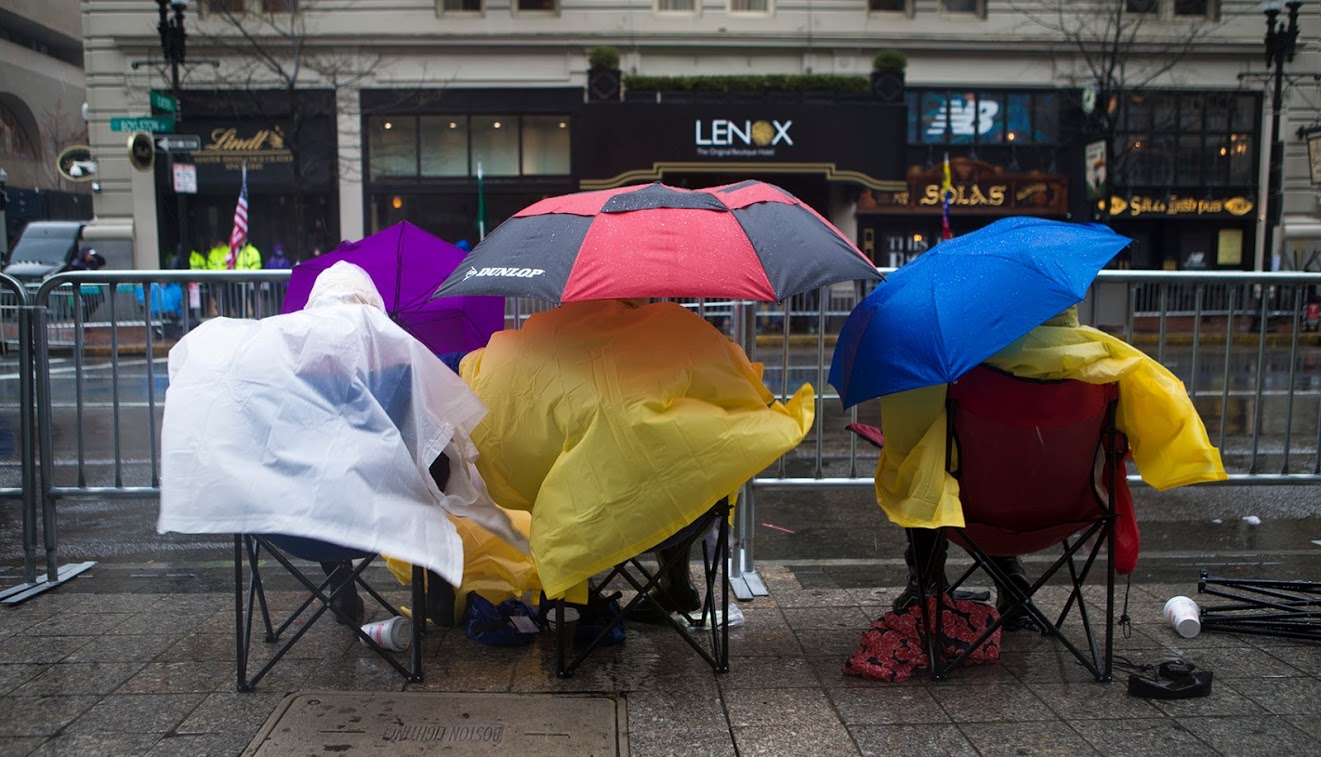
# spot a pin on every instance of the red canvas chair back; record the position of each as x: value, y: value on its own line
x: 1025, y: 453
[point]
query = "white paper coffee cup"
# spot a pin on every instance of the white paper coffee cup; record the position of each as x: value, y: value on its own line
x: 1184, y: 615
x: 394, y: 634
x: 570, y: 622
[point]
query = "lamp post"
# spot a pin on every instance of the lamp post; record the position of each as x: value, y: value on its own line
x: 173, y: 39
x: 174, y: 50
x: 1281, y: 41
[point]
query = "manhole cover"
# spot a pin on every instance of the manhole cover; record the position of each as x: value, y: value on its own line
x: 408, y: 723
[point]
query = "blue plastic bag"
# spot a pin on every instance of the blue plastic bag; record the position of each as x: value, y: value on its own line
x: 492, y: 624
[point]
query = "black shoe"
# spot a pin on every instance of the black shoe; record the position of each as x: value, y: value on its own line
x: 908, y: 597
x: 1016, y: 618
x: 440, y: 601
x: 346, y: 599
x: 349, y: 605
x: 660, y: 603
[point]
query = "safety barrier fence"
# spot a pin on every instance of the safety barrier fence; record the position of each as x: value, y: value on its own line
x: 91, y: 361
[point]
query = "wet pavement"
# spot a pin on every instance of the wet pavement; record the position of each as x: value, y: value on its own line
x: 136, y: 656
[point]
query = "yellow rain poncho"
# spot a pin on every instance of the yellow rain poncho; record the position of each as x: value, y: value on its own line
x: 1169, y: 443
x: 616, y: 426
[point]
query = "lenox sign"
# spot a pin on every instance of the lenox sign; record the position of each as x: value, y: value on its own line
x: 721, y: 132
x: 849, y: 141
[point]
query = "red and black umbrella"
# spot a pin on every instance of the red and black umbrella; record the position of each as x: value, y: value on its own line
x: 748, y: 241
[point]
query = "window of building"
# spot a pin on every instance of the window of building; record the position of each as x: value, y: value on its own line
x: 14, y: 140
x: 495, y: 144
x: 462, y: 6
x: 392, y: 143
x: 749, y: 6
x: 965, y: 7
x: 279, y: 6
x: 949, y: 117
x: 452, y: 146
x: 545, y: 145
x: 536, y: 5
x: 1200, y: 8
x: 1186, y: 140
x: 890, y: 6
x: 224, y: 6
x: 676, y: 6
x: 443, y: 145
x: 1141, y: 6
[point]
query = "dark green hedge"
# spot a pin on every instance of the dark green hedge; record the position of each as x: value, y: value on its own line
x: 773, y: 82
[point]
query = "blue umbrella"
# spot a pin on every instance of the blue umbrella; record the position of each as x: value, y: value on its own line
x: 939, y: 316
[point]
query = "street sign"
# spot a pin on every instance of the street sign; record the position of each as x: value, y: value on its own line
x: 185, y: 178
x: 163, y: 102
x: 141, y: 123
x: 178, y: 142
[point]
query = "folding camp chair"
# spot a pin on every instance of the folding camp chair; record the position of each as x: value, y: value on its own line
x: 1038, y: 463
x: 712, y: 615
x: 249, y: 548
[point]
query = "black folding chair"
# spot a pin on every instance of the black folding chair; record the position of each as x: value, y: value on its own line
x: 713, y: 614
x: 249, y: 548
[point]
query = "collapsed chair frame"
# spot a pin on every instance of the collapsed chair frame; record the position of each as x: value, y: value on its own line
x: 1288, y: 609
x: 247, y: 547
x: 714, y: 563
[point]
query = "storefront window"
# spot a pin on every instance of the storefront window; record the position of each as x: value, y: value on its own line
x: 392, y: 146
x: 1207, y: 136
x: 941, y: 117
x: 495, y: 144
x: 441, y: 146
x: 444, y: 145
x: 545, y: 145
x: 1240, y: 152
x: 1188, y: 165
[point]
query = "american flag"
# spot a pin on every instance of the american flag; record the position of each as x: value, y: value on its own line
x: 239, y: 235
x: 946, y: 196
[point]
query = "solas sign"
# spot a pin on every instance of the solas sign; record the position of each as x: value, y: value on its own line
x: 721, y: 136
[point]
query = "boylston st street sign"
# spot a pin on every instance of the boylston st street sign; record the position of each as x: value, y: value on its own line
x: 141, y: 123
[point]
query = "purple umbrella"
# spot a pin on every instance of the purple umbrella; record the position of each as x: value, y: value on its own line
x: 407, y: 265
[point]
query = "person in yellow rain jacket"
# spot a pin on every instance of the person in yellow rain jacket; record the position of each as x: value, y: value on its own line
x: 249, y: 258
x: 1167, y: 438
x: 215, y: 257
x: 616, y: 424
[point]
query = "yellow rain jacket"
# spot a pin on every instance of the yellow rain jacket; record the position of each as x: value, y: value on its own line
x: 617, y: 425
x: 1169, y: 443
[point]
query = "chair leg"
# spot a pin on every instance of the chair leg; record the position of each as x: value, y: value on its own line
x: 240, y: 639
x: 420, y: 612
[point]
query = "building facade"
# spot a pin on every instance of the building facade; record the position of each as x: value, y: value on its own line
x: 454, y: 114
x: 41, y: 99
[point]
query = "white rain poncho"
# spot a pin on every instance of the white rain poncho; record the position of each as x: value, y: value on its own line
x: 323, y: 423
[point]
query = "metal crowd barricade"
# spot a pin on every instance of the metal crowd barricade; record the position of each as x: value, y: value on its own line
x: 1208, y: 328
x: 16, y: 343
x: 114, y: 315
x: 1238, y: 341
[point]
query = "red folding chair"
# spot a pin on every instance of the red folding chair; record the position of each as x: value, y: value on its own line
x: 1038, y: 463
